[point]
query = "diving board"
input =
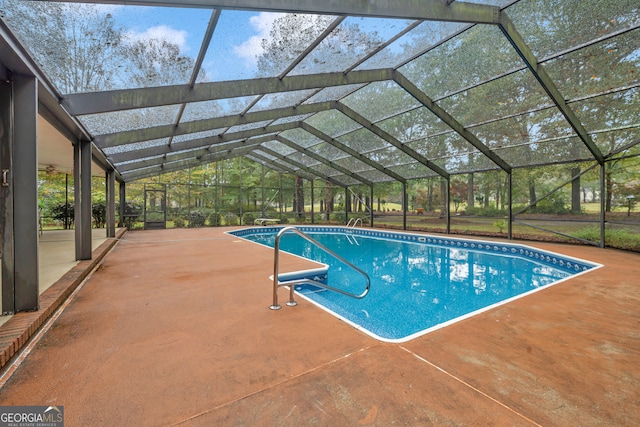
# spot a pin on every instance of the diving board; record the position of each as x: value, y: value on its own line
x: 265, y: 221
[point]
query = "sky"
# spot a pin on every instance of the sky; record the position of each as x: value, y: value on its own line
x: 236, y: 44
x: 233, y: 50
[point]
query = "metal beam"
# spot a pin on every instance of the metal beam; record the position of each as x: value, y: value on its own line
x: 299, y: 172
x: 127, y: 99
x: 434, y: 10
x: 82, y: 193
x: 271, y: 164
x: 603, y: 199
x: 16, y: 58
x: 550, y: 192
x: 384, y: 45
x: 7, y: 241
x: 538, y: 71
x: 619, y: 150
x: 405, y: 205
x: 263, y: 163
x: 414, y: 91
x: 312, y: 45
x: 202, y: 142
x: 23, y: 180
x: 180, y: 165
x: 510, y: 205
x: 313, y: 201
x: 211, y: 27
x: 323, y: 160
x: 299, y: 165
x: 329, y: 140
x: 123, y: 203
x: 206, y: 40
x: 192, y: 154
x: 110, y: 222
x: 359, y: 118
x: 165, y: 131
x: 54, y: 120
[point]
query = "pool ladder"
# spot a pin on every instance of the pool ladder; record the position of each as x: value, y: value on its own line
x: 353, y: 222
x: 292, y: 283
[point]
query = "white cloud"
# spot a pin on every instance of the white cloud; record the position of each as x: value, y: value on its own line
x: 251, y: 49
x: 178, y: 37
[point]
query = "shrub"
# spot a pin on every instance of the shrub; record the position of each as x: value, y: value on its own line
x: 215, y: 219
x: 59, y: 212
x: 248, y: 218
x: 132, y: 213
x: 489, y: 211
x: 338, y: 217
x: 178, y: 222
x: 590, y: 233
x: 99, y: 214
x: 554, y: 204
x: 230, y: 218
x: 196, y: 219
x: 621, y: 238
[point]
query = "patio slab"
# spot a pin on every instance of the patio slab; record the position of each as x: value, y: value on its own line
x: 173, y: 328
x: 565, y: 356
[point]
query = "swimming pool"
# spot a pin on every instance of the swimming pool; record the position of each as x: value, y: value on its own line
x: 419, y: 283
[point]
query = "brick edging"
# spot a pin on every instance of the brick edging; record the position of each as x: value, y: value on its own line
x: 17, y: 331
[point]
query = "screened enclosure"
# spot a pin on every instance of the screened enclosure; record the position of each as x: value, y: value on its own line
x: 489, y: 117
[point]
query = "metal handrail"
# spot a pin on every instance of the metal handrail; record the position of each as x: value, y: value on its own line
x: 354, y: 241
x: 291, y: 283
x: 355, y: 222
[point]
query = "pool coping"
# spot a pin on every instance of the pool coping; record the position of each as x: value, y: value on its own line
x: 504, y: 248
x: 565, y: 356
x: 517, y: 250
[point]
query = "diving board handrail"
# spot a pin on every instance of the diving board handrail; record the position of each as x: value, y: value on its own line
x: 291, y: 283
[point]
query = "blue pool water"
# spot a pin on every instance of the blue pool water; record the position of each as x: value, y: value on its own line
x: 418, y: 283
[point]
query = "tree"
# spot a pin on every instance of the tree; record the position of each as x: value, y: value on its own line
x: 427, y: 193
x: 85, y: 51
x: 158, y: 62
x: 381, y: 191
x: 81, y: 43
x: 552, y: 26
x: 55, y: 196
x: 459, y: 190
x: 471, y: 192
x: 574, y: 171
x: 288, y: 38
x: 298, y: 201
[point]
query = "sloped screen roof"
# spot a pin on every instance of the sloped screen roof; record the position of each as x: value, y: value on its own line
x: 347, y: 93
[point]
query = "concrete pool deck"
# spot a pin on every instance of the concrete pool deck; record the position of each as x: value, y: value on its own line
x: 56, y: 250
x: 172, y: 328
